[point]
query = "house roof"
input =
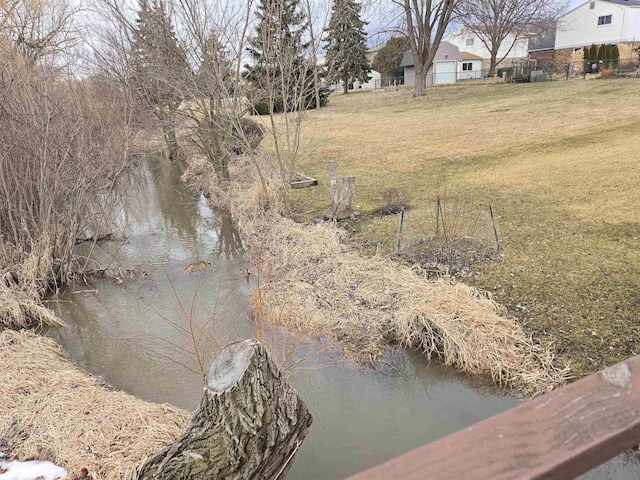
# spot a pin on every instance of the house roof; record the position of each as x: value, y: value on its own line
x: 631, y: 3
x: 444, y: 50
x: 377, y: 48
x: 407, y: 59
x: 628, y: 3
x: 537, y: 44
x: 469, y: 56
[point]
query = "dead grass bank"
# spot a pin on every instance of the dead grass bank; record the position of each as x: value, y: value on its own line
x: 51, y: 410
x: 306, y: 278
x: 559, y: 163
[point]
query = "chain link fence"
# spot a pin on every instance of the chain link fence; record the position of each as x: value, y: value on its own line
x: 528, y: 71
x: 547, y: 71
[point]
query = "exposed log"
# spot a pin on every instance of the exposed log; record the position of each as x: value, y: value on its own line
x: 249, y: 425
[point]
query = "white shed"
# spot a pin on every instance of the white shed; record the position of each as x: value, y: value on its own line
x: 470, y: 67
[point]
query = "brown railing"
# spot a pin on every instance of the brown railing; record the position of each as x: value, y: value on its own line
x: 559, y: 435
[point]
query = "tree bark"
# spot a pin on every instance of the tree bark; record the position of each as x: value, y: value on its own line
x: 346, y: 197
x: 420, y: 85
x: 334, y: 186
x: 492, y: 63
x: 249, y: 425
x: 170, y: 137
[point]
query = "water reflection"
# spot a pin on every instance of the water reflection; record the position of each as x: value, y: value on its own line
x: 133, y: 334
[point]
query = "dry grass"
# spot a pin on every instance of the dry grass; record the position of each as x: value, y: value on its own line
x: 558, y: 162
x: 306, y: 278
x: 54, y: 411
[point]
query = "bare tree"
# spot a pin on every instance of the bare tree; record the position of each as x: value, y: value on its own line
x: 38, y: 27
x: 426, y: 22
x: 495, y: 22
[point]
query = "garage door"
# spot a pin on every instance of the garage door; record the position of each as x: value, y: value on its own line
x: 445, y: 72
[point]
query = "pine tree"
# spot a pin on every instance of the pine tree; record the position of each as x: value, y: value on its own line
x: 277, y: 70
x: 346, y: 43
x: 158, y: 67
x: 593, y: 53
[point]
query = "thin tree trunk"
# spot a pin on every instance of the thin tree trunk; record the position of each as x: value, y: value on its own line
x: 345, y: 82
x: 249, y: 425
x: 170, y: 138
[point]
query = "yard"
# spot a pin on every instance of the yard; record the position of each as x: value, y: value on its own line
x: 560, y: 165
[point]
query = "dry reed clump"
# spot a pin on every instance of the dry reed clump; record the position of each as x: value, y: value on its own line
x: 306, y: 278
x: 22, y: 309
x: 62, y: 414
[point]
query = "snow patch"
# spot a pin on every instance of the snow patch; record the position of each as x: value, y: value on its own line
x: 31, y: 470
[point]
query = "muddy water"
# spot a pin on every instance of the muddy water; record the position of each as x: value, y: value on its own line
x: 135, y: 333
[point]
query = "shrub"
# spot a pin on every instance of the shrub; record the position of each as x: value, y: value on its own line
x: 393, y: 200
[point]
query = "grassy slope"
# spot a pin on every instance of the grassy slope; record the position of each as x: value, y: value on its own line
x: 560, y: 163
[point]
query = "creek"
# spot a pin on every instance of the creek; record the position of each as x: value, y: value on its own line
x: 134, y: 333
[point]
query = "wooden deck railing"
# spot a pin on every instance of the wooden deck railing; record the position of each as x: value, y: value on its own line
x: 559, y: 435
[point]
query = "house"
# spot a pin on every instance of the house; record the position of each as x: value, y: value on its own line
x: 470, y: 66
x: 449, y: 66
x: 511, y: 48
x: 373, y: 51
x: 596, y: 22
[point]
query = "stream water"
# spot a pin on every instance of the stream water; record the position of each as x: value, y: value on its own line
x: 133, y: 332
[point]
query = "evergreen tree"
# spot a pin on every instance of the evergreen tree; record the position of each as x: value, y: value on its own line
x: 278, y: 70
x: 346, y: 40
x: 615, y: 56
x: 586, y: 59
x: 158, y: 67
x: 593, y: 53
x: 603, y: 56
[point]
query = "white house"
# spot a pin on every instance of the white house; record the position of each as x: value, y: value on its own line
x: 599, y: 22
x: 468, y: 41
x: 596, y: 22
x: 449, y: 66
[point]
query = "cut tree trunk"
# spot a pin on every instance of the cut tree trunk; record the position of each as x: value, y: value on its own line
x: 249, y: 425
x: 334, y: 186
x: 346, y: 198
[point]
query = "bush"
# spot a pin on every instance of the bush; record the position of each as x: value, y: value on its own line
x: 606, y: 73
x: 261, y: 105
x: 393, y: 200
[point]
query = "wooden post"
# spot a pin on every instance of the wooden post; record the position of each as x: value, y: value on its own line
x: 495, y: 230
x: 249, y: 425
x: 332, y: 168
x: 346, y: 197
x: 400, y: 223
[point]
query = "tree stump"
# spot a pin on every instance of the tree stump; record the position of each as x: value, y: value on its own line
x: 334, y: 186
x: 249, y: 425
x: 346, y: 197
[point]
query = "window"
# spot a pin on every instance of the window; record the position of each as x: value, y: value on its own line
x: 604, y: 20
x: 467, y: 66
x: 592, y: 5
x: 469, y: 41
